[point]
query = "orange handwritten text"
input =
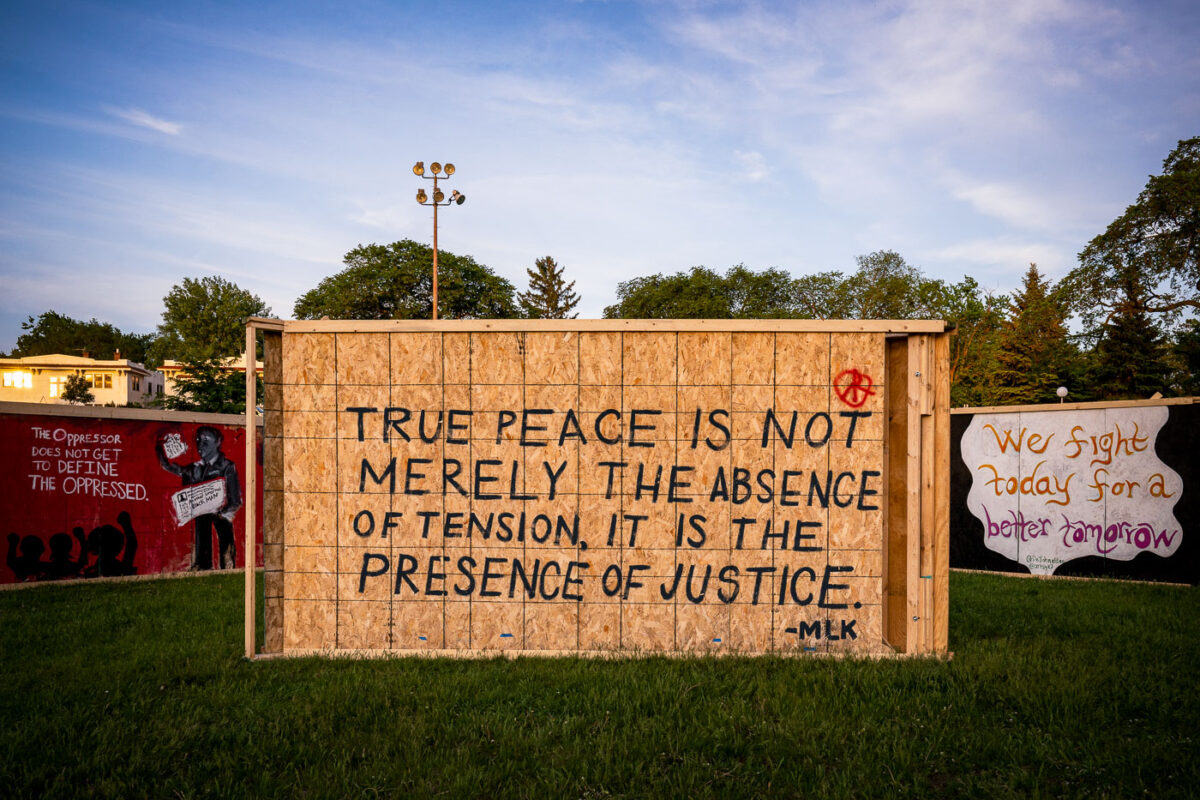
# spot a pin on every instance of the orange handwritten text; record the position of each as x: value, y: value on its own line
x: 1031, y: 444
x: 1047, y: 486
x: 1106, y: 446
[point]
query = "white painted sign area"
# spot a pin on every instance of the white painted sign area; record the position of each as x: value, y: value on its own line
x: 1054, y: 486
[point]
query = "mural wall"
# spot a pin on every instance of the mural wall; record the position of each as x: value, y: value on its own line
x: 1080, y: 490
x: 103, y: 496
x: 576, y: 490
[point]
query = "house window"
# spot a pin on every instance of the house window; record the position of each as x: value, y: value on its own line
x: 57, y: 384
x: 137, y: 383
x: 18, y: 380
x: 99, y: 380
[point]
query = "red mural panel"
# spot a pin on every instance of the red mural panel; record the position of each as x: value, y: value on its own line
x: 90, y: 497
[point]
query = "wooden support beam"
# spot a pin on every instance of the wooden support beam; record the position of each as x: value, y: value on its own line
x: 251, y: 486
x: 895, y: 582
x: 941, y: 496
x: 914, y: 606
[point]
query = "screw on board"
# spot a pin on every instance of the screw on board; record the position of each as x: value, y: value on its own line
x: 917, y: 373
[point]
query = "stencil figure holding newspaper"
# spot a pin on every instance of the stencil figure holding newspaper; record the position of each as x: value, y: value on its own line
x: 211, y: 495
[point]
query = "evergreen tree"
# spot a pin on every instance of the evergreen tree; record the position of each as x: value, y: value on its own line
x: 1131, y: 355
x: 549, y: 296
x: 1033, y: 349
x: 1187, y: 358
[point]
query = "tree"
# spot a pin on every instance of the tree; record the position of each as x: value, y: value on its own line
x: 1186, y: 352
x: 51, y: 332
x: 77, y: 391
x: 395, y: 281
x: 1131, y: 356
x: 205, y: 318
x: 549, y: 296
x: 978, y: 318
x: 1157, y: 237
x: 888, y: 287
x: 203, y: 386
x: 703, y: 293
x: 1033, y: 350
x: 822, y: 295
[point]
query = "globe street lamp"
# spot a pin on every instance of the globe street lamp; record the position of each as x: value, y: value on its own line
x: 456, y: 198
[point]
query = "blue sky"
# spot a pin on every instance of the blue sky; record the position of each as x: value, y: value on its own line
x: 141, y: 143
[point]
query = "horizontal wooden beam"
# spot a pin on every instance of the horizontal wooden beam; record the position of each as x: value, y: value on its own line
x: 1161, y: 401
x: 609, y: 325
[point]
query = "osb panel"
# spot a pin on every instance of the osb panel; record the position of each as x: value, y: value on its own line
x: 704, y: 358
x: 415, y: 358
x: 498, y: 358
x: 362, y: 358
x: 552, y: 358
x: 308, y: 358
x: 600, y: 356
x: 698, y: 491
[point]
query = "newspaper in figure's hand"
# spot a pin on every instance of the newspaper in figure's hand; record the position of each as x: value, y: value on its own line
x: 173, y: 446
x: 194, y: 501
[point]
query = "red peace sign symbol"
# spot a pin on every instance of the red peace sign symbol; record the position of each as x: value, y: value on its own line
x: 853, y: 387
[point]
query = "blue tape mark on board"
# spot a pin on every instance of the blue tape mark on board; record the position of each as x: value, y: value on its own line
x: 422, y: 638
x: 716, y: 640
x: 506, y: 636
x: 927, y: 577
x: 810, y: 649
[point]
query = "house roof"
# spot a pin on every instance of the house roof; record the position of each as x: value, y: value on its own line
x: 63, y: 361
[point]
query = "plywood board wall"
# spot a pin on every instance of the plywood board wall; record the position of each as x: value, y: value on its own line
x: 575, y: 490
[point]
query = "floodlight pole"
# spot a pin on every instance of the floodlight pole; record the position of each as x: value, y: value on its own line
x: 455, y: 198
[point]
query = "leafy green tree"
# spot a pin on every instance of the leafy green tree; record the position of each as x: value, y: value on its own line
x: 1158, y: 237
x: 205, y: 318
x: 1033, y: 349
x: 77, y: 391
x: 768, y: 294
x: 203, y: 386
x: 978, y: 318
x: 885, y: 286
x: 699, y: 294
x: 702, y: 293
x: 822, y: 295
x: 1131, y: 355
x: 51, y: 332
x: 549, y: 296
x: 395, y: 281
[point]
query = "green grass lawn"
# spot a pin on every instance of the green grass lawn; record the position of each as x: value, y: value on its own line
x: 1068, y: 688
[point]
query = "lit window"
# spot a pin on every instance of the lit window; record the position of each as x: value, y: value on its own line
x: 57, y: 385
x: 18, y: 380
x: 99, y: 380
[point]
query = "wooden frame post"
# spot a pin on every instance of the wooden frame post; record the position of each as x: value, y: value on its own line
x: 251, y: 486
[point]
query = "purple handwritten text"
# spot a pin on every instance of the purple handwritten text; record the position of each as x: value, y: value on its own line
x: 1107, y: 538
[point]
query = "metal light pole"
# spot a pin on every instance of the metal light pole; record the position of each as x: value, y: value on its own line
x: 456, y: 198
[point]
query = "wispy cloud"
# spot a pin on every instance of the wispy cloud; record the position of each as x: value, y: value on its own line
x: 752, y: 164
x: 143, y: 119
